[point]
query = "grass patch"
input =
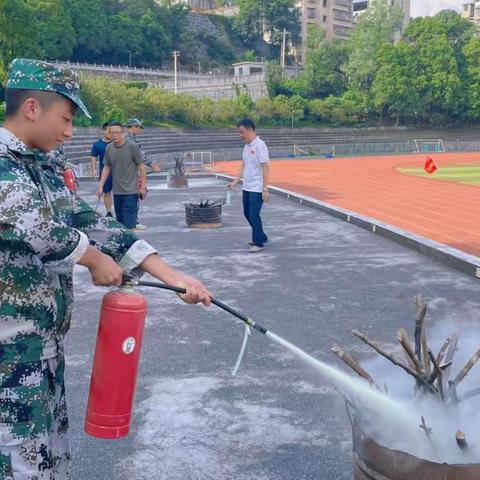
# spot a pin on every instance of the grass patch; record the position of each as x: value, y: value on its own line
x: 466, y: 174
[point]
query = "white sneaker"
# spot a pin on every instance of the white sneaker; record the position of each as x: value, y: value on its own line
x: 256, y: 249
x: 139, y: 226
x: 253, y: 243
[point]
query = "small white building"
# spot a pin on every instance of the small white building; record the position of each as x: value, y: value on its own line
x: 246, y: 69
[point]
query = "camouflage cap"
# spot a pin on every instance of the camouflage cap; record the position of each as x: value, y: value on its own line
x: 27, y: 74
x: 134, y: 122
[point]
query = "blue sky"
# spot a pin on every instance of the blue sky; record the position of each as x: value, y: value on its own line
x: 431, y: 7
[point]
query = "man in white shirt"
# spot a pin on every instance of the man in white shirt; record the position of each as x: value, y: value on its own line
x: 255, y: 173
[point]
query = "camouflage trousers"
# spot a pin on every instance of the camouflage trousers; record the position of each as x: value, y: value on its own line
x: 33, y: 421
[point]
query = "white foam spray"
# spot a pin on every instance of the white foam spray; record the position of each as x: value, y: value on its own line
x: 380, y: 408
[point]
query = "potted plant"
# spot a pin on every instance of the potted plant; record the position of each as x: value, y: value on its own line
x: 179, y: 178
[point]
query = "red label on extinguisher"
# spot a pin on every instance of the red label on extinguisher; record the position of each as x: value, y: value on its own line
x: 69, y: 180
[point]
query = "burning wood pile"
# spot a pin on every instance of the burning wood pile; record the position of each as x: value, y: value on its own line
x: 435, y: 384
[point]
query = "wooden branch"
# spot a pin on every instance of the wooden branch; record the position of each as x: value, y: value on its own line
x: 469, y: 394
x: 452, y: 392
x: 452, y: 348
x: 428, y: 431
x: 444, y: 366
x: 396, y: 362
x: 404, y: 341
x: 419, y: 304
x: 426, y: 358
x: 442, y: 351
x: 468, y: 366
x: 437, y: 374
x: 409, y: 361
x: 420, y: 333
x: 461, y: 440
x: 353, y: 364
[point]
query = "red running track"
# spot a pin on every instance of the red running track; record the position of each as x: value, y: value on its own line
x: 446, y: 212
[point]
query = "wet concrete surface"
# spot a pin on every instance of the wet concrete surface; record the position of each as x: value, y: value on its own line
x: 316, y: 280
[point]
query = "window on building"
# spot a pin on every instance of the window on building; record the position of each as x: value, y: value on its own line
x: 325, y: 3
x: 311, y: 13
x: 324, y: 19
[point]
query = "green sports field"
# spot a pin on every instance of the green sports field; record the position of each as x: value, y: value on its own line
x: 468, y: 174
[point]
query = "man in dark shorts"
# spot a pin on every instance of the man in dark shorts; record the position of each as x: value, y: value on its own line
x: 98, y: 152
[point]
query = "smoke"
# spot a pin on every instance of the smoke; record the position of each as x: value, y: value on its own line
x: 443, y: 420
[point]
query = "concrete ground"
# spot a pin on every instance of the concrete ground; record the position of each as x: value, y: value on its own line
x: 317, y: 280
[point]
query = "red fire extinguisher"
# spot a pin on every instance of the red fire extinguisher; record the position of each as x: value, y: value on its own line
x: 115, y: 366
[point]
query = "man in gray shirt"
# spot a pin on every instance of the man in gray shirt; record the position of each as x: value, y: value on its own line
x: 134, y: 128
x: 125, y: 160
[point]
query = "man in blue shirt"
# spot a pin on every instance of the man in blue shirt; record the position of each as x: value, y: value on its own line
x: 98, y: 152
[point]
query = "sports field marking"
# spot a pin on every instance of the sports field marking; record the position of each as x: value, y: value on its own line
x: 466, y: 174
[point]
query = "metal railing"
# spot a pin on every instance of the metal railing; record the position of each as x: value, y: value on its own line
x: 125, y: 69
x: 197, y: 160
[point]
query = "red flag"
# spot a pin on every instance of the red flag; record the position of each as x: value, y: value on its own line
x: 430, y: 165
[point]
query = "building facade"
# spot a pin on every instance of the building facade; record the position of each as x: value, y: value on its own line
x: 334, y: 16
x: 360, y: 6
x: 471, y: 11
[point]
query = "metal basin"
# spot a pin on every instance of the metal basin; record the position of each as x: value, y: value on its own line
x: 375, y: 462
x: 197, y: 217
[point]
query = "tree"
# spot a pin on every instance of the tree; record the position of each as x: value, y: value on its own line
x: 325, y: 64
x: 349, y: 109
x: 439, y: 42
x: 90, y: 21
x: 257, y: 18
x: 289, y: 109
x: 377, y: 26
x: 472, y: 56
x: 457, y: 30
x: 280, y: 15
x: 56, y: 35
x: 18, y: 33
x: 395, y: 89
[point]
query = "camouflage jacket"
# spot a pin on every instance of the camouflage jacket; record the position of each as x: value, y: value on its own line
x: 44, y: 231
x: 133, y: 138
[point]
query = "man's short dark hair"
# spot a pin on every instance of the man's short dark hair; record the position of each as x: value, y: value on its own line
x: 105, y: 125
x: 246, y: 123
x: 115, y: 123
x: 14, y: 98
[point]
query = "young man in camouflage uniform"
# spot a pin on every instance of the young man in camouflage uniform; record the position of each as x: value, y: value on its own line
x: 44, y: 233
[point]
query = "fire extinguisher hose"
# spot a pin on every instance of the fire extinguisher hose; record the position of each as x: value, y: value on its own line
x: 216, y: 302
